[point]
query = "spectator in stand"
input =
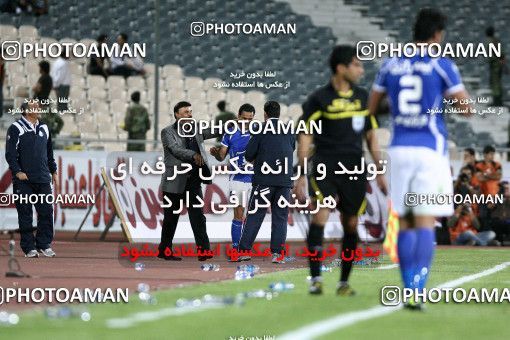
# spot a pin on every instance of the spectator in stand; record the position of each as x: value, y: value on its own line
x: 488, y: 172
x: 467, y: 170
x: 137, y: 64
x: 136, y: 123
x: 2, y: 78
x: 500, y: 214
x: 36, y: 7
x: 40, y: 7
x: 470, y: 162
x: 54, y: 123
x: 470, y: 158
x: 464, y: 226
x: 124, y: 66
x: 97, y: 65
x: 462, y: 185
x: 8, y: 6
x: 42, y: 88
x: 23, y: 6
x: 223, y: 115
x: 61, y: 75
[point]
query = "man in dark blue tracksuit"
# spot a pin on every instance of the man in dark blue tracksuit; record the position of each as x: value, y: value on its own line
x: 29, y: 153
x: 274, y: 149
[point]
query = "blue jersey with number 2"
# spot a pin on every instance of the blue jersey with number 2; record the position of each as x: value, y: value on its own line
x: 414, y: 87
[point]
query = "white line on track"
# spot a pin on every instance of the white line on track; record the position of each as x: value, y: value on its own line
x: 343, y: 320
x: 388, y: 266
x: 134, y: 319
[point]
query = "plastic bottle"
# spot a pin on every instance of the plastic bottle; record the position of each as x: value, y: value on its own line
x: 259, y: 294
x: 209, y: 267
x: 8, y: 319
x: 325, y: 268
x: 249, y: 268
x: 336, y: 263
x: 281, y: 286
x: 67, y: 312
x: 139, y: 266
x: 243, y: 275
x: 209, y: 300
x: 143, y: 288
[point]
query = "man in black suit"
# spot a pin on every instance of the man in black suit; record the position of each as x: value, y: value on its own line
x: 178, y: 150
x: 275, y: 148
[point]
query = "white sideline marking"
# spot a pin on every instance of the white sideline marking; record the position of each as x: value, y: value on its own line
x: 140, y: 317
x: 342, y: 320
x: 388, y: 266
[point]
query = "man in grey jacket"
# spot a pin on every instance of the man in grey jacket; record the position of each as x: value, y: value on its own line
x: 178, y: 151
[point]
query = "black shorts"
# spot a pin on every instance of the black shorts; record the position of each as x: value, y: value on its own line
x: 350, y: 192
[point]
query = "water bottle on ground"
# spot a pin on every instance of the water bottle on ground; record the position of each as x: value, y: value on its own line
x: 209, y: 300
x: 243, y: 275
x: 325, y: 268
x: 259, y: 294
x: 249, y: 268
x: 281, y: 286
x: 8, y: 319
x: 143, y: 288
x: 209, y: 267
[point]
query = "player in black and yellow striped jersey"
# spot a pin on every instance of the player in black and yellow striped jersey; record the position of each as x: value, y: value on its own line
x: 342, y: 107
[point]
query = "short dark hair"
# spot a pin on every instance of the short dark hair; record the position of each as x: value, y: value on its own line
x: 24, y: 108
x: 428, y: 22
x: 44, y: 66
x: 463, y: 177
x: 488, y: 149
x: 101, y: 37
x: 124, y: 36
x: 470, y: 151
x: 341, y: 54
x: 489, y: 31
x: 180, y: 105
x: 466, y: 167
x: 246, y: 108
x: 135, y: 96
x: 221, y: 105
x: 272, y: 109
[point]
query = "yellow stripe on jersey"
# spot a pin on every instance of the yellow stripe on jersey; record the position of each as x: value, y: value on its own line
x: 363, y: 207
x: 316, y: 189
x: 374, y: 122
x: 343, y: 115
x: 316, y: 115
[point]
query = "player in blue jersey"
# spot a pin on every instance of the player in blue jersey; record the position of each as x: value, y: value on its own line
x: 418, y: 152
x: 235, y: 145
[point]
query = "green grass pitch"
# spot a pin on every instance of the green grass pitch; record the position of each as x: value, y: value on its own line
x: 295, y: 309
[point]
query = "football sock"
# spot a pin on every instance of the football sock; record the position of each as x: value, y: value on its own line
x: 424, y: 252
x: 235, y: 232
x: 349, y: 242
x: 314, y: 242
x: 406, y: 246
